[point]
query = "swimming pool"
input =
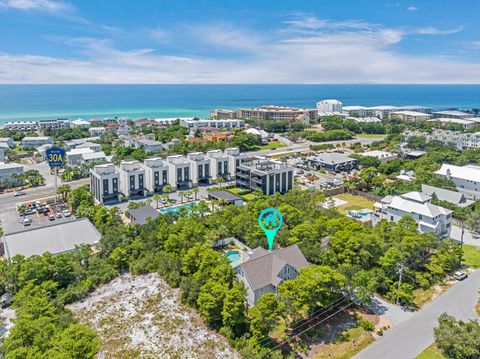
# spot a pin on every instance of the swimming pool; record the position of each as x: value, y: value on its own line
x: 234, y: 257
x: 362, y: 215
x: 177, y: 207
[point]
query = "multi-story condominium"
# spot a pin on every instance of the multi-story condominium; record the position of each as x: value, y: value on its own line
x: 383, y: 111
x: 429, y: 217
x: 451, y: 114
x: 466, y: 179
x: 278, y: 113
x: 357, y: 111
x: 53, y: 124
x: 22, y: 126
x: 416, y: 108
x: 132, y: 179
x: 221, y: 114
x: 34, y: 142
x: 201, y: 167
x: 234, y: 159
x: 215, y: 123
x: 219, y: 164
x: 8, y: 169
x: 269, y: 176
x: 458, y: 139
x: 8, y: 141
x: 465, y: 123
x: 105, y: 183
x: 179, y: 173
x: 407, y: 115
x: 156, y: 174
x: 329, y: 106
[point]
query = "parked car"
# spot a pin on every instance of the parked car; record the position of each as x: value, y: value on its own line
x: 51, y: 217
x: 459, y: 275
x: 59, y: 214
x: 26, y: 221
x: 67, y: 213
x: 20, y: 193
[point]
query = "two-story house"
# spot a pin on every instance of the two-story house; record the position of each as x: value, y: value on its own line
x: 466, y: 178
x: 429, y: 217
x: 132, y: 179
x: 156, y: 174
x: 264, y: 271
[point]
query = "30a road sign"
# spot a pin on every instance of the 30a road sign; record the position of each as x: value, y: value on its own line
x: 55, y: 156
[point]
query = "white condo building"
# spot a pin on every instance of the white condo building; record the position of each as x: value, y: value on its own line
x: 156, y: 174
x: 201, y: 167
x: 132, y: 179
x: 466, y: 179
x: 35, y: 142
x: 429, y: 217
x: 219, y: 164
x: 179, y: 171
x: 330, y: 105
x: 105, y: 182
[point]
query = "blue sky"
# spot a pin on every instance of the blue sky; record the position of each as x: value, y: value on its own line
x: 275, y: 41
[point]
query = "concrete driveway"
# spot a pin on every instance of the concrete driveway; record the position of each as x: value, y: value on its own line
x: 468, y: 237
x: 412, y: 336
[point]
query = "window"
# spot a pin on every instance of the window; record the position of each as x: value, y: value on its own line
x: 286, y: 270
x: 164, y: 175
x: 140, y: 181
x: 115, y: 185
x: 200, y: 171
x: 219, y: 168
x: 156, y: 176
x: 105, y: 186
x: 186, y: 174
x: 132, y: 182
x: 179, y: 175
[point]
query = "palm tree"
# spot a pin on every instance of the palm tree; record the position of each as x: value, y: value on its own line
x: 181, y: 194
x: 156, y: 197
x: 202, y: 208
x: 220, y: 180
x: 195, y: 191
x: 64, y: 190
x: 167, y: 188
x: 188, y: 194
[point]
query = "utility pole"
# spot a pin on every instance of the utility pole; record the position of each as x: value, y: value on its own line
x: 461, y: 241
x: 400, y: 279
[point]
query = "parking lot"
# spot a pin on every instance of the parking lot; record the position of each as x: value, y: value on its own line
x: 37, y: 214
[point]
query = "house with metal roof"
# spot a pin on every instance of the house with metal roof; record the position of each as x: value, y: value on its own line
x: 465, y: 178
x: 429, y: 217
x: 226, y: 196
x: 456, y: 198
x: 59, y: 238
x: 141, y: 214
x: 264, y: 271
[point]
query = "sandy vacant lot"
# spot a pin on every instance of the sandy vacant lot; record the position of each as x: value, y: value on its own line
x: 142, y: 317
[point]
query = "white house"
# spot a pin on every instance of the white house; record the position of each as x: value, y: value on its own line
x: 79, y: 123
x: 148, y: 145
x: 105, y: 183
x: 264, y: 271
x: 179, y: 171
x: 96, y: 131
x: 201, y: 167
x: 156, y: 174
x: 74, y: 156
x: 219, y: 164
x: 132, y: 179
x: 429, y: 217
x: 7, y: 140
x: 466, y: 178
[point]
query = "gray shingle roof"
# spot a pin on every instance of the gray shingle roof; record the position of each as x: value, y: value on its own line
x: 263, y: 267
x: 58, y: 238
x: 456, y: 198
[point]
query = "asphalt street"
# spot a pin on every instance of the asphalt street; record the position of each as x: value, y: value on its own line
x: 412, y: 336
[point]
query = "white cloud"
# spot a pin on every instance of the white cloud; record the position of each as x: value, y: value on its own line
x: 42, y: 5
x: 434, y: 31
x: 159, y: 35
x: 412, y: 8
x: 342, y: 54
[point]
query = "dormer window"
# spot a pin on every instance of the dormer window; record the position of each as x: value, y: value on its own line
x: 286, y: 270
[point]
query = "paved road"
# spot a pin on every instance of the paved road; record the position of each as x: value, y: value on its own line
x: 468, y: 237
x: 411, y: 337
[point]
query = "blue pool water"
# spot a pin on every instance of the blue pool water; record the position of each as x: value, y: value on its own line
x: 177, y: 208
x: 362, y: 215
x: 234, y: 257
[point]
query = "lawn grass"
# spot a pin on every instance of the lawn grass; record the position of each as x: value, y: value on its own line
x: 272, y: 145
x: 432, y: 352
x: 249, y: 197
x: 477, y: 308
x: 346, y: 348
x: 353, y: 202
x: 471, y: 256
x: 424, y: 296
x: 370, y: 135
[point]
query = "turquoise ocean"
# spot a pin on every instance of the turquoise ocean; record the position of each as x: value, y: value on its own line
x: 36, y: 102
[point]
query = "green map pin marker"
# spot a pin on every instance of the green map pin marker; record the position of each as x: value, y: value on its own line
x: 270, y: 220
